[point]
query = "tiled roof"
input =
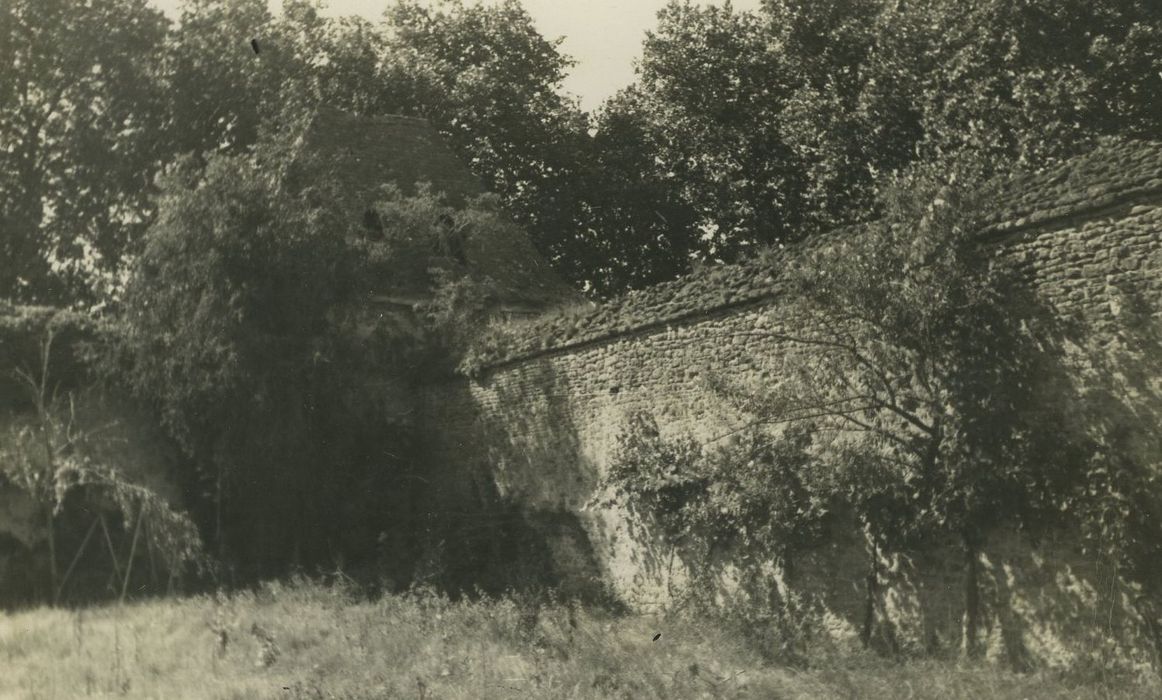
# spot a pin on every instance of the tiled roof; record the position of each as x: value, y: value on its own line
x: 710, y: 289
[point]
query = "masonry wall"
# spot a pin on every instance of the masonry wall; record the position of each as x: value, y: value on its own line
x: 541, y: 425
x: 1082, y: 263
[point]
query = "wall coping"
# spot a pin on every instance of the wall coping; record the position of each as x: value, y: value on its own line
x: 1115, y: 173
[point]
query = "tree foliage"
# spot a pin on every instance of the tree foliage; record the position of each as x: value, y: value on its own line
x: 132, y: 149
x: 924, y: 370
x: 81, y: 118
x: 750, y: 493
x: 91, y: 114
x: 241, y: 329
x: 777, y: 124
x: 65, y: 464
x: 1010, y: 82
x: 922, y: 389
x: 742, y: 129
x: 754, y: 500
x: 247, y: 324
x: 706, y: 105
x: 489, y: 81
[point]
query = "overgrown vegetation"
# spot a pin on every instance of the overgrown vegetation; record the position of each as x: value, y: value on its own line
x: 922, y: 396
x: 926, y: 397
x: 747, y: 128
x: 74, y: 473
x: 749, y: 500
x: 304, y: 640
x: 289, y: 389
x: 250, y: 326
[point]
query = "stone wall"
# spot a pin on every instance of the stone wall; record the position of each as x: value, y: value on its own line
x: 1083, y: 263
x: 541, y: 419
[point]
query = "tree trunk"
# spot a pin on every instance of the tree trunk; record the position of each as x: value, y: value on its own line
x: 50, y: 522
x: 871, y: 588
x: 972, y: 612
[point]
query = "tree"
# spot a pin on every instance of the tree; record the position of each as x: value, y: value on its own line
x: 1040, y: 79
x: 80, y: 118
x: 342, y: 62
x: 62, y: 464
x: 911, y: 392
x: 222, y: 91
x: 241, y: 331
x: 482, y: 75
x: 919, y: 366
x: 706, y: 104
x: 634, y: 227
x: 851, y: 114
x: 487, y: 79
x: 777, y: 125
x: 923, y: 390
x: 881, y: 85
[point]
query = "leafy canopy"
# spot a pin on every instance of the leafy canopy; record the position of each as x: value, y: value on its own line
x: 241, y: 327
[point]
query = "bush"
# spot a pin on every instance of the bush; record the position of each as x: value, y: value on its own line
x: 242, y: 327
x: 74, y: 471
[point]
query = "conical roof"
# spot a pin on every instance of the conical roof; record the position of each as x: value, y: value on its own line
x: 362, y: 154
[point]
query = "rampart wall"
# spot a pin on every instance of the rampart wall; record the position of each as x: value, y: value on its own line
x: 540, y: 422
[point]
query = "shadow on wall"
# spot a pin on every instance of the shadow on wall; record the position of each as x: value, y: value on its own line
x: 501, y: 509
x: 1043, y: 604
x: 531, y: 438
x: 1084, y: 592
x: 1056, y: 600
x: 517, y: 472
x: 1051, y: 605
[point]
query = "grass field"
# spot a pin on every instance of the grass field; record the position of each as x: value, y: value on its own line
x: 310, y: 641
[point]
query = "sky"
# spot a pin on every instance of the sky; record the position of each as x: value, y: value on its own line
x: 603, y: 36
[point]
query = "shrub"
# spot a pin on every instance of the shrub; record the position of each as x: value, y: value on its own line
x: 66, y: 465
x: 242, y: 327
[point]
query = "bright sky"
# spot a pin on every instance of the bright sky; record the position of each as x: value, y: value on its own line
x: 603, y: 36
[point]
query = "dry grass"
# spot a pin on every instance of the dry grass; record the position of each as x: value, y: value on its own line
x: 307, y: 641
